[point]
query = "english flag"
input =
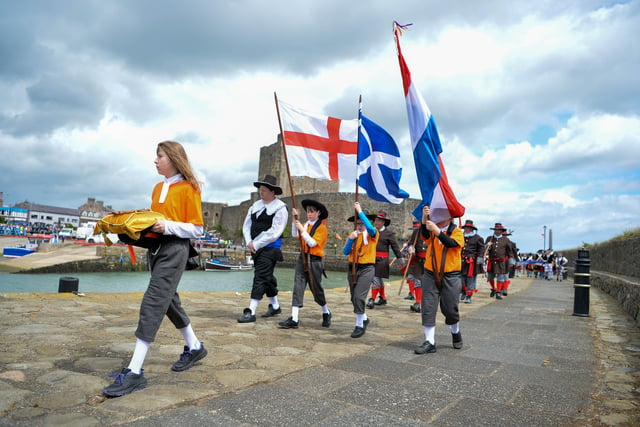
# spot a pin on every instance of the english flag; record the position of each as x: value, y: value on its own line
x: 319, y: 146
x: 425, y: 142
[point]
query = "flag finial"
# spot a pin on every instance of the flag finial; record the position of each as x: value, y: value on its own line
x: 398, y: 28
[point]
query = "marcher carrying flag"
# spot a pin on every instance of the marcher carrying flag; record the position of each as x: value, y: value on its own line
x: 425, y: 142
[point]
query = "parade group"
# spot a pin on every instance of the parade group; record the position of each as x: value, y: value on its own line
x: 441, y: 263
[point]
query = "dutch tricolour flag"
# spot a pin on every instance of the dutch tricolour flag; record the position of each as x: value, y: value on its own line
x: 425, y: 142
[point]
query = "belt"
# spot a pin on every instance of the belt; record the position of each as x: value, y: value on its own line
x: 382, y: 254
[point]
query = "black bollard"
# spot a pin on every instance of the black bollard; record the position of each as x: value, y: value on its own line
x: 68, y: 284
x: 581, y: 280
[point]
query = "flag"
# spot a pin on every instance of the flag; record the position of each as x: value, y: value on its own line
x: 319, y: 146
x: 425, y: 142
x: 379, y: 167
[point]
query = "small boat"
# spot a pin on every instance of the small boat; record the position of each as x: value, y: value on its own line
x: 223, y: 263
x: 19, y: 250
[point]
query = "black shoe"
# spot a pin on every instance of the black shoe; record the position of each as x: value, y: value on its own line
x: 504, y: 293
x: 468, y: 300
x: 498, y: 295
x: 493, y: 293
x: 188, y: 358
x: 125, y: 383
x: 326, y: 320
x: 357, y: 332
x: 457, y: 340
x: 426, y: 347
x: 271, y: 311
x: 462, y: 297
x: 409, y: 297
x: 381, y: 301
x: 371, y: 303
x: 365, y: 323
x: 415, y: 307
x: 247, y: 316
x: 289, y: 324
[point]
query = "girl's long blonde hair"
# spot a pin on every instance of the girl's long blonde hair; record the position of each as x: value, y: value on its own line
x: 178, y: 156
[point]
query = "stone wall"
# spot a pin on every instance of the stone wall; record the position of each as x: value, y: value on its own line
x: 615, y: 269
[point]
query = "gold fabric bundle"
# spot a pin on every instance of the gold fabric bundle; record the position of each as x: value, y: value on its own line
x: 131, y: 223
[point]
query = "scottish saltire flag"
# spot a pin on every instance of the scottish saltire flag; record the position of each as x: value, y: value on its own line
x: 379, y: 167
x: 319, y: 146
x: 425, y: 142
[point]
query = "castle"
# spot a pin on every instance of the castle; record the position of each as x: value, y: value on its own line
x: 229, y: 219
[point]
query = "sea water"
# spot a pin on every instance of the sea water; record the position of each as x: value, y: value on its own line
x: 192, y: 281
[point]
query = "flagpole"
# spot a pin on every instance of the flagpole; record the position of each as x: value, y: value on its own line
x: 354, y: 271
x: 306, y: 260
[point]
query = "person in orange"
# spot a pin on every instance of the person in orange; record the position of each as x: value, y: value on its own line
x: 441, y: 282
x: 416, y: 248
x: 178, y: 199
x: 310, y: 266
x: 360, y: 247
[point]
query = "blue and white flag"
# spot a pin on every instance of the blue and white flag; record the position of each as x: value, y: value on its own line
x: 379, y: 167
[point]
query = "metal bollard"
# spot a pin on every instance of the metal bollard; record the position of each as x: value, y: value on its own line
x: 581, y: 279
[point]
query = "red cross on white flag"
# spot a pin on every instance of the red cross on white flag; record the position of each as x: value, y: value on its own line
x: 319, y: 146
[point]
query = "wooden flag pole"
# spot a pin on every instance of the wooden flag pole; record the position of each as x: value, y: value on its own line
x: 306, y: 258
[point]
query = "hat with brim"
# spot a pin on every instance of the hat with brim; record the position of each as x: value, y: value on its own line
x: 269, y: 181
x: 324, y: 213
x: 498, y: 226
x: 383, y: 216
x: 415, y: 225
x: 370, y: 217
x: 469, y: 223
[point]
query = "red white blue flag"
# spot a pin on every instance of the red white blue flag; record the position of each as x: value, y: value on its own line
x: 425, y: 142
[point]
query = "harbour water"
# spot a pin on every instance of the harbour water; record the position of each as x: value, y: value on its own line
x: 192, y: 281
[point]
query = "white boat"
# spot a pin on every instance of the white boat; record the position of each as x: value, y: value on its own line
x: 223, y: 263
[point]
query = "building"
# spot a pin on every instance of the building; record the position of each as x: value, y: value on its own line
x: 92, y: 211
x: 51, y: 217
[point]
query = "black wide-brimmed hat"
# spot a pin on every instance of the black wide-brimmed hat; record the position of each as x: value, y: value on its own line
x: 469, y: 223
x: 371, y: 217
x: 383, y: 215
x: 498, y: 226
x: 269, y: 181
x: 324, y: 213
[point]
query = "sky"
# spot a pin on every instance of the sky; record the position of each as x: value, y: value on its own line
x: 537, y: 103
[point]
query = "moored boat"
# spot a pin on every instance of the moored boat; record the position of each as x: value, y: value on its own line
x: 223, y: 263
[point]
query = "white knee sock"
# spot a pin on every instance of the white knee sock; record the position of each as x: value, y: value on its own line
x: 139, y: 354
x: 430, y: 334
x: 325, y: 309
x: 190, y: 337
x: 253, y: 305
x: 455, y: 328
x: 360, y: 320
x: 274, y: 302
x: 294, y: 313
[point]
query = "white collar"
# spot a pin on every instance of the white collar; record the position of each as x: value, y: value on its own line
x: 167, y: 183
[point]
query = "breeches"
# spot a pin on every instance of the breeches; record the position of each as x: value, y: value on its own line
x: 447, y: 298
x: 301, y: 278
x: 360, y: 289
x: 264, y: 282
x: 161, y: 297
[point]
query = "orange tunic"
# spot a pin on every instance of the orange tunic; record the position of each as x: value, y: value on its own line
x: 320, y: 236
x: 182, y: 204
x: 453, y: 260
x: 366, y: 253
